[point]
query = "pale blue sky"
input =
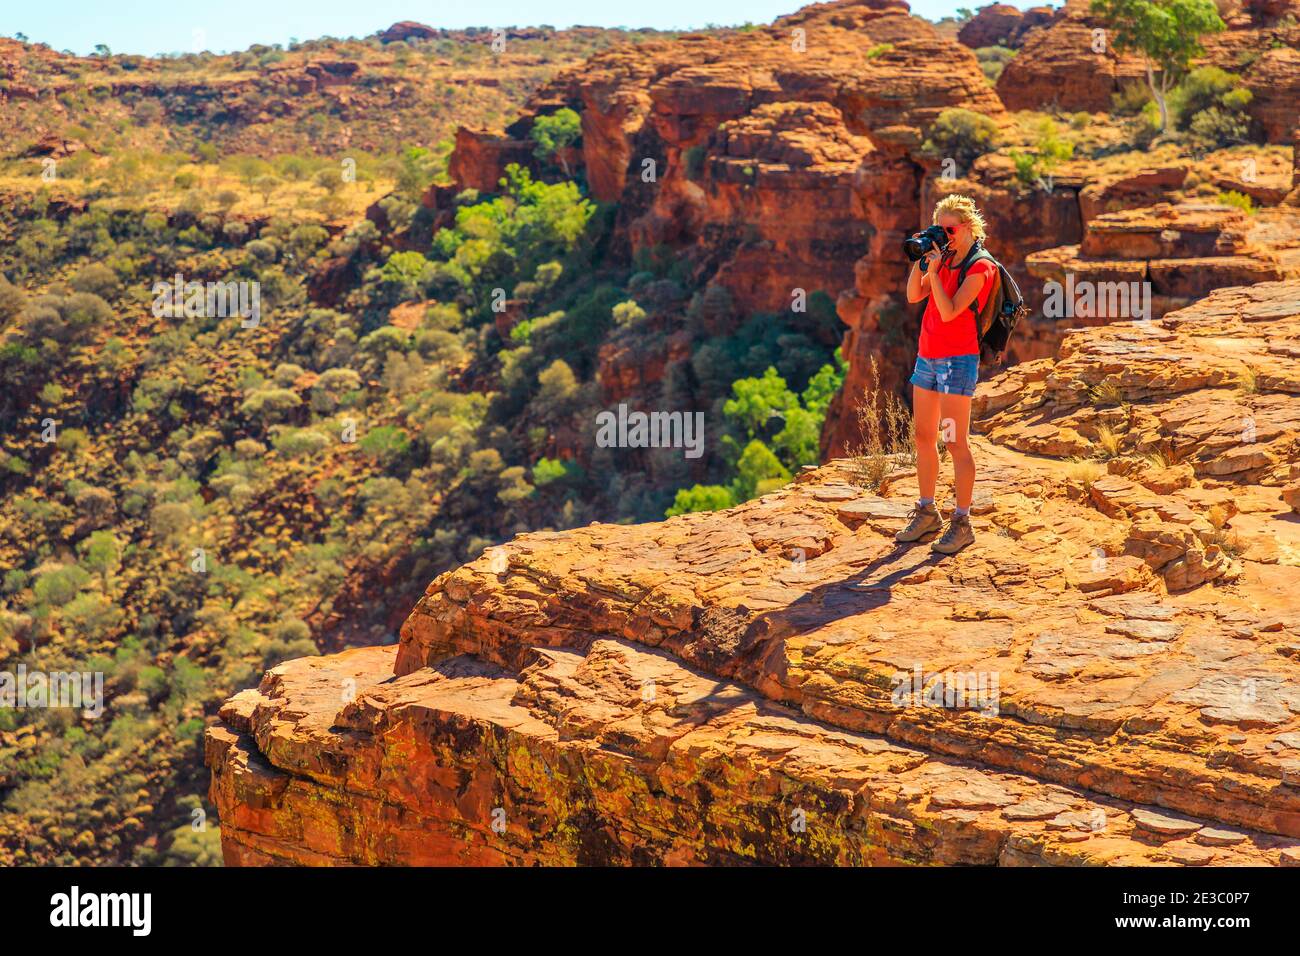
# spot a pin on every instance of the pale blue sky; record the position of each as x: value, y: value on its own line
x: 165, y: 26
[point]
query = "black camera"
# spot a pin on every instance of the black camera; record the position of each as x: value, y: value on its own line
x: 917, y: 246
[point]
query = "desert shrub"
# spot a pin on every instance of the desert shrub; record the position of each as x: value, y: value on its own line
x: 549, y: 470
x: 386, y: 443
x: 270, y: 403
x: 1211, y: 105
x: 700, y: 498
x: 628, y: 313
x: 385, y: 339
x: 300, y: 442
x: 1049, y: 151
x: 885, y: 430
x: 1217, y: 127
x: 992, y: 60
x: 60, y: 584
x: 961, y: 134
x: 1130, y: 99
x: 286, y: 373
x: 1240, y: 201
x: 96, y: 279
x: 439, y: 346
x: 12, y: 301
x: 333, y: 388
x: 758, y: 471
x: 262, y: 250
x: 557, y: 386
x: 1143, y: 128
x: 1203, y: 89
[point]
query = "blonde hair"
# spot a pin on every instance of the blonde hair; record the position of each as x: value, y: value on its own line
x: 963, y: 207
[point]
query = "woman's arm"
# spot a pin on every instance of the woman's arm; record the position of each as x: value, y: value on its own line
x: 949, y: 309
x: 918, y: 282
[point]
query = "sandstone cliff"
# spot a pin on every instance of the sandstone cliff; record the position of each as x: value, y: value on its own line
x: 1106, y: 676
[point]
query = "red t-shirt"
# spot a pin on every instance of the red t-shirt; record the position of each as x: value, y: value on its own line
x: 940, y: 339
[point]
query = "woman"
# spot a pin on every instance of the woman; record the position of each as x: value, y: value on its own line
x: 947, y: 366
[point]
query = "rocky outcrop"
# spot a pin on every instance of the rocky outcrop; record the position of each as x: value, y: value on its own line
x: 1143, y: 263
x: 480, y: 158
x: 1000, y: 24
x: 1067, y: 65
x: 407, y: 30
x: 1105, y: 676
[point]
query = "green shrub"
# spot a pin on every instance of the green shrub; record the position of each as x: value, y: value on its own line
x: 992, y: 60
x: 1217, y: 127
x: 1242, y: 202
x: 961, y: 134
x: 700, y: 498
x: 1211, y: 104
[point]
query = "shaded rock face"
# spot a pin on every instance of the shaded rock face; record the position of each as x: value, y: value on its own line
x: 1069, y: 65
x: 1105, y: 677
x: 1294, y: 198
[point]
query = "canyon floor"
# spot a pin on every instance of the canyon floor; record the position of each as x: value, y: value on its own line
x: 724, y: 687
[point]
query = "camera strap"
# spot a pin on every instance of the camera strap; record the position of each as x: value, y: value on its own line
x: 977, y: 252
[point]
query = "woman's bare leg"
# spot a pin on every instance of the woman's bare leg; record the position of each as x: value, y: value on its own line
x: 925, y: 425
x: 954, y: 413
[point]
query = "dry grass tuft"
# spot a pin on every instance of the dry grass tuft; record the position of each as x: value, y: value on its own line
x: 1106, y: 392
x: 1085, y: 471
x: 1109, y: 443
x: 886, y: 428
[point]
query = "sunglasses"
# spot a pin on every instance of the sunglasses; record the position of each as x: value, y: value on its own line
x: 950, y: 230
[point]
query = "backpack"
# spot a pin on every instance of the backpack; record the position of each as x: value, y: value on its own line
x: 1004, y: 307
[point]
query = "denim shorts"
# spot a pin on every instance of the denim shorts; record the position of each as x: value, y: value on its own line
x: 950, y: 376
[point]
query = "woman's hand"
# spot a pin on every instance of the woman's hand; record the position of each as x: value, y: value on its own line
x: 918, y: 280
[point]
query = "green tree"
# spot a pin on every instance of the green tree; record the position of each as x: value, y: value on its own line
x: 554, y: 133
x: 758, y: 400
x: 1166, y: 33
x: 757, y: 472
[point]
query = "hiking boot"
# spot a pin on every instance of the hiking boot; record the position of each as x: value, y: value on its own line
x: 956, y: 537
x: 924, y: 520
